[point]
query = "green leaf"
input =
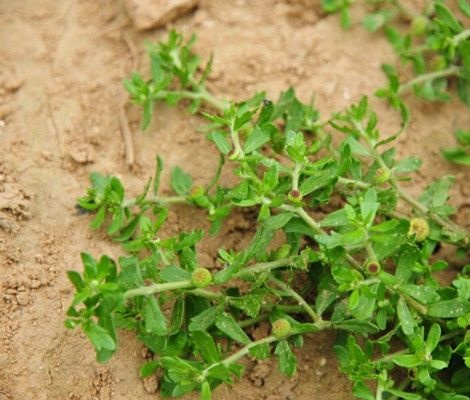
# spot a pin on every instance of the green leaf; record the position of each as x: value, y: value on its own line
x: 361, y: 391
x: 433, y: 338
x: 158, y: 173
x: 286, y: 358
x: 259, y: 243
x: 404, y: 395
x: 172, y: 273
x: 276, y: 222
x: 206, y: 345
x: 203, y: 320
x: 76, y: 280
x: 153, y: 317
x: 177, y: 315
x: 90, y: 265
x: 257, y: 138
x: 369, y: 205
x: 220, y: 141
x: 335, y: 219
x: 205, y: 391
x: 407, y: 321
x: 149, y: 368
x: 437, y: 193
x: 99, y: 218
x: 447, y: 18
x: 99, y: 337
x: 457, y: 155
x: 465, y: 7
x: 449, y: 309
x: 424, y: 294
x: 261, y: 351
x: 227, y: 324
x: 319, y: 180
x: 181, y: 182
x: 406, y: 360
x: 409, y: 164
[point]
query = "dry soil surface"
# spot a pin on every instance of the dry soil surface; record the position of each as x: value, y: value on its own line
x: 61, y: 70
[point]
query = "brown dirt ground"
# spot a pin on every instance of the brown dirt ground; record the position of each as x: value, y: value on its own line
x: 61, y: 71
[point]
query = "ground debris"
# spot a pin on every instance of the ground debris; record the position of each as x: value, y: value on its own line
x: 147, y: 14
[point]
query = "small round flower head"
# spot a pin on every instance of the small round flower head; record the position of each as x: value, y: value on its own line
x: 295, y: 196
x: 201, y: 277
x: 281, y: 328
x: 419, y: 227
x: 382, y: 175
x: 418, y: 25
x: 196, y: 191
x: 373, y: 267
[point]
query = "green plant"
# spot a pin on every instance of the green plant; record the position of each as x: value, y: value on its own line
x: 436, y: 44
x: 461, y: 153
x: 368, y: 264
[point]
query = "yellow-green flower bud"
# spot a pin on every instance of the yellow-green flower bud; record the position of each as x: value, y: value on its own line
x: 295, y: 196
x: 419, y: 227
x: 382, y: 175
x: 281, y: 328
x: 201, y: 277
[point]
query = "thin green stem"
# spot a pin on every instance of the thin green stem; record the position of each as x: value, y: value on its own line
x: 265, y: 266
x: 465, y: 34
x: 296, y: 175
x: 157, y: 200
x: 236, y: 356
x: 186, y: 284
x: 451, y: 71
x: 286, y: 288
x: 390, y: 356
x: 369, y: 249
x: 238, y: 152
x: 246, y: 350
x: 157, y: 288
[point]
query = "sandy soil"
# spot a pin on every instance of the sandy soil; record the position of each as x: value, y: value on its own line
x: 61, y: 69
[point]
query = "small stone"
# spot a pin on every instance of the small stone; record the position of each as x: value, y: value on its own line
x: 322, y: 362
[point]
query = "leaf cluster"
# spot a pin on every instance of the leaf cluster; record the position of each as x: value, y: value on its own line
x: 350, y: 260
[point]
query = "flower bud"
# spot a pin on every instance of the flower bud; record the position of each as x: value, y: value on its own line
x: 373, y: 267
x: 201, y: 277
x: 419, y: 227
x: 196, y: 191
x: 418, y: 25
x: 281, y: 328
x: 382, y: 175
x: 295, y: 196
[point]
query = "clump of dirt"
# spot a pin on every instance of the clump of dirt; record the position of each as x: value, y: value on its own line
x: 61, y: 92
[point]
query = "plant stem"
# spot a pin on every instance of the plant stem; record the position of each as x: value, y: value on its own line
x: 238, y: 152
x: 465, y: 34
x: 450, y: 71
x: 246, y: 350
x: 309, y: 310
x: 388, y: 357
x: 236, y: 356
x: 295, y: 176
x: 186, y: 284
x: 157, y: 288
x: 158, y: 200
x: 265, y: 266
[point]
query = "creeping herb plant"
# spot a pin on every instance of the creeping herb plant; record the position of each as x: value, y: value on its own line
x: 436, y: 43
x: 364, y: 269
